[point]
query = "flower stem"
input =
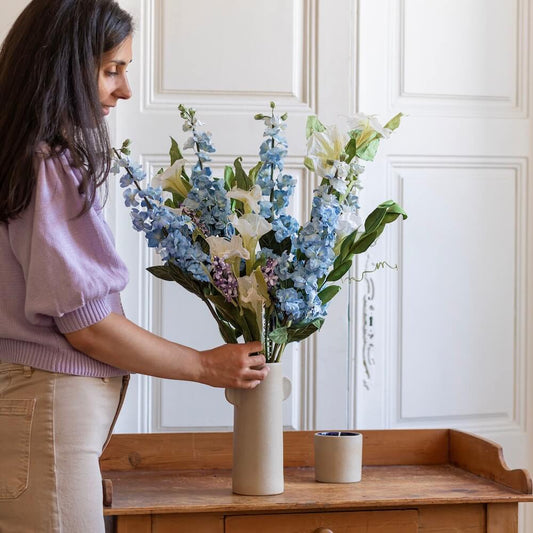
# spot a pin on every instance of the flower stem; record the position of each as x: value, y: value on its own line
x: 150, y: 206
x: 277, y: 352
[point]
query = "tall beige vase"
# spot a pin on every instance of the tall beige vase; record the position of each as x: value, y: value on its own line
x: 258, y: 435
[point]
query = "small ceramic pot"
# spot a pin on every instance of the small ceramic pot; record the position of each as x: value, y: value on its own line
x: 338, y: 456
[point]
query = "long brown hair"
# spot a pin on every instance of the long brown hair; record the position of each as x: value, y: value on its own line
x: 49, y: 65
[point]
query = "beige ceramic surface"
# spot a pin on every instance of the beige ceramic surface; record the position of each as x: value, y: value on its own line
x: 338, y: 456
x: 258, y: 435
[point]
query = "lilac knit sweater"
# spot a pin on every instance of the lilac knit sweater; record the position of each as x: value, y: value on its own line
x: 58, y: 273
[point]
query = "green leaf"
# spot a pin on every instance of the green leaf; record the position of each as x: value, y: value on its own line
x: 351, y: 150
x: 177, y: 200
x: 174, y: 151
x: 339, y: 271
x: 252, y: 331
x: 243, y: 182
x: 229, y: 177
x: 368, y: 151
x: 346, y: 246
x: 279, y: 335
x: 227, y: 310
x: 375, y: 223
x: 161, y: 272
x: 254, y: 171
x: 328, y: 293
x: 269, y: 241
x: 394, y: 122
x: 312, y: 125
x: 299, y: 332
x: 387, y: 211
x: 187, y: 282
x: 227, y: 317
x: 229, y: 334
x: 308, y: 163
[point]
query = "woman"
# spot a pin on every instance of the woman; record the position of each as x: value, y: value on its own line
x: 65, y: 347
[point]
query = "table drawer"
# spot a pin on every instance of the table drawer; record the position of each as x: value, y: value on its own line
x: 334, y: 522
x: 193, y: 523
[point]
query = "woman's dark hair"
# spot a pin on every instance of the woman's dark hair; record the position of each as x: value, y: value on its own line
x: 49, y: 66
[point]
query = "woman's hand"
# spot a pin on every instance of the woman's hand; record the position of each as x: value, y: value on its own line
x: 233, y: 365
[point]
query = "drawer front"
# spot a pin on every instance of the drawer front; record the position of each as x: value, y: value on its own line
x: 335, y: 522
x: 192, y: 523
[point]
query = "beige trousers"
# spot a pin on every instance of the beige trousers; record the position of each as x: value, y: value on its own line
x: 53, y: 428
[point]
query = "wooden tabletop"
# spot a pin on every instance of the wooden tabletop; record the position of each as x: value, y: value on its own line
x: 190, y: 473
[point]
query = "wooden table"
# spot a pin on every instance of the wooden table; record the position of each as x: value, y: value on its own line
x: 413, y: 481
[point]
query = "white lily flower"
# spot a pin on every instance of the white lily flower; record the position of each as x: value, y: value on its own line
x: 227, y: 250
x: 249, y: 290
x: 325, y: 146
x: 170, y: 179
x: 251, y: 227
x: 250, y: 198
x: 360, y: 121
x: 253, y: 294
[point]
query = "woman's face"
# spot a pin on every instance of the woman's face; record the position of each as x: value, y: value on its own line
x: 112, y: 77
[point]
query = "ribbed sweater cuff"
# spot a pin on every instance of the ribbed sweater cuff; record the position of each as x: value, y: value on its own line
x: 91, y: 313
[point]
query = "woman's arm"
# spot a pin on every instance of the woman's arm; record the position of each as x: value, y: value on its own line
x: 117, y: 341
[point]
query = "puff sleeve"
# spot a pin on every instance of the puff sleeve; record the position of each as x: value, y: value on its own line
x: 71, y: 269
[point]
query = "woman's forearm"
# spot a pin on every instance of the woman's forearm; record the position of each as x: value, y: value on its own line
x: 119, y: 342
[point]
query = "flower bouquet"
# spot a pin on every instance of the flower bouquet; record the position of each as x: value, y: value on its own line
x: 230, y: 239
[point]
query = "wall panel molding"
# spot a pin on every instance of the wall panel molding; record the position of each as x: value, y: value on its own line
x: 514, y: 104
x: 159, y: 96
x: 515, y: 169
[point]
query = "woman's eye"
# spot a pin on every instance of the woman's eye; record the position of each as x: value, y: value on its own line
x: 111, y: 73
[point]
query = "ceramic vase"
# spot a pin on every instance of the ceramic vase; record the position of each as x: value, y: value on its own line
x: 258, y: 435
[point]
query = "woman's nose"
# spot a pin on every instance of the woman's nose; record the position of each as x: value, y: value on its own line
x: 124, y: 90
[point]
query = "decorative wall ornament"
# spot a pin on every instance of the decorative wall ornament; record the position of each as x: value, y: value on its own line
x: 368, y: 324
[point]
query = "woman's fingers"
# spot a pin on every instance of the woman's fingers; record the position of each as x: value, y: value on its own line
x: 256, y: 361
x: 234, y: 365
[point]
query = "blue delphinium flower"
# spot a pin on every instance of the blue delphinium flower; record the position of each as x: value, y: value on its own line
x: 272, y: 155
x: 285, y: 226
x: 130, y: 197
x: 208, y: 200
x: 264, y: 179
x: 291, y: 304
x: 275, y: 125
x: 276, y: 187
x: 171, y: 234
